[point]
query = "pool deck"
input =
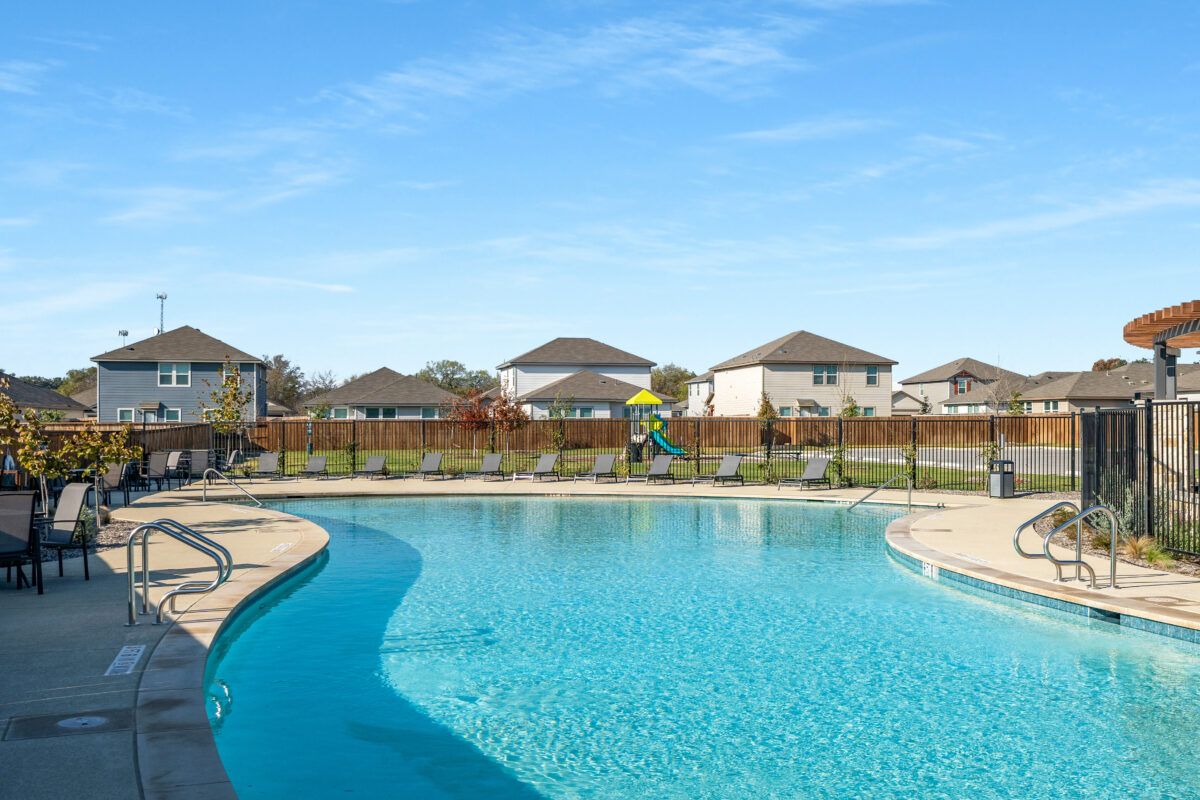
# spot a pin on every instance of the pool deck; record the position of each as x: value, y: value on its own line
x: 156, y: 741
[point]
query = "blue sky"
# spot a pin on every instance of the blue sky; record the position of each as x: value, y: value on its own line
x: 358, y: 184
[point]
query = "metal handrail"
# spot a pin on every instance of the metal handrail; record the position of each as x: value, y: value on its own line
x: 1024, y: 525
x: 1079, y: 562
x: 227, y: 479
x: 884, y: 485
x: 220, y: 555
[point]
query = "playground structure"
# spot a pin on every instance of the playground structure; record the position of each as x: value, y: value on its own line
x: 645, y: 423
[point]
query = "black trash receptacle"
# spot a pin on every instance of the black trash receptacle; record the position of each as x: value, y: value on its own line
x: 1001, y: 479
x: 633, y: 452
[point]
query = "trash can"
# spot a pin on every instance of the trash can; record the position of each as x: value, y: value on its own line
x: 1001, y: 480
x: 633, y: 452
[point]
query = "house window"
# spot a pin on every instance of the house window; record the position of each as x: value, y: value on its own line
x: 174, y: 374
x: 429, y: 413
x: 868, y: 411
x: 825, y: 374
x: 962, y: 386
x: 823, y: 411
x: 380, y: 413
x: 340, y: 413
x: 951, y: 409
x: 785, y: 411
x: 1049, y: 405
x: 389, y: 413
x: 585, y: 413
x: 921, y: 388
x: 172, y: 415
x: 1028, y: 407
x: 124, y: 415
x: 872, y: 376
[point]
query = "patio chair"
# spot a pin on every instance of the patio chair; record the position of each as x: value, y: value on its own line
x: 156, y: 470
x: 543, y: 468
x: 18, y: 542
x: 489, y: 466
x: 60, y: 532
x: 431, y: 464
x: 727, y: 471
x: 660, y: 470
x: 113, y: 480
x: 197, y: 464
x: 267, y: 467
x: 814, y: 472
x: 603, y: 468
x: 173, y: 471
x: 315, y: 467
x: 376, y: 465
x: 231, y: 463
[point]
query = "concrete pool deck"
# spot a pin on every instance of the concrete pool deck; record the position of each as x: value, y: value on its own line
x: 157, y: 742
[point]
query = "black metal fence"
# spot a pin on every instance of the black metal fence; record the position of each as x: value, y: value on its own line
x: 938, y: 452
x: 1144, y: 464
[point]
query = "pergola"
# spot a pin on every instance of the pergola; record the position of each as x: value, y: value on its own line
x: 1165, y: 331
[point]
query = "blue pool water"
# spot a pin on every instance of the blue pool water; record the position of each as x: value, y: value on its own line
x: 513, y: 649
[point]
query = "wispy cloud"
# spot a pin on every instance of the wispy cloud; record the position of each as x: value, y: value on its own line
x: 249, y: 144
x: 15, y: 222
x: 272, y: 280
x: 426, y: 186
x: 21, y: 77
x: 154, y: 204
x: 128, y: 100
x: 830, y: 127
x: 1146, y: 198
x: 76, y: 40
x: 642, y: 54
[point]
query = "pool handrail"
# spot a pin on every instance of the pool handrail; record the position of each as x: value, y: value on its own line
x: 884, y: 485
x: 1040, y: 514
x: 197, y: 541
x: 227, y: 479
x: 1079, y: 562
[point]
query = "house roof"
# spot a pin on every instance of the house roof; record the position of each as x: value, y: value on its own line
x: 971, y: 366
x: 279, y: 410
x: 384, y: 387
x: 26, y: 395
x: 588, y: 385
x: 86, y: 397
x: 1116, y: 384
x: 565, y: 350
x: 705, y: 378
x: 802, y: 347
x: 493, y: 393
x: 901, y: 396
x: 182, y: 344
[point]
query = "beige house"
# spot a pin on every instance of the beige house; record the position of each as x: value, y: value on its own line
x: 383, y: 394
x: 1071, y: 392
x: 962, y: 376
x: 803, y: 375
x: 905, y: 405
x: 587, y: 395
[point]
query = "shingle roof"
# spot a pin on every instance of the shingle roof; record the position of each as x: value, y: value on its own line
x: 182, y: 344
x: 971, y: 366
x: 564, y: 350
x: 86, y: 397
x: 1116, y: 384
x: 384, y: 387
x: 705, y: 378
x: 803, y: 347
x: 26, y: 395
x: 588, y: 385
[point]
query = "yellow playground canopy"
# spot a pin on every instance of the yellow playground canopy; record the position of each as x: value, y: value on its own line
x: 643, y: 398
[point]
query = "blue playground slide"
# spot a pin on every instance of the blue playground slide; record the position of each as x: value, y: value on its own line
x: 662, y: 441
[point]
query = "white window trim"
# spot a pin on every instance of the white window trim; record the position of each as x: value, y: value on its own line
x: 174, y: 374
x: 872, y: 376
x: 119, y: 410
x: 167, y: 414
x: 333, y: 413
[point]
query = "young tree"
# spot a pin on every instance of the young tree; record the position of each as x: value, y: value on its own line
x: 926, y: 406
x: 285, y: 381
x: 1105, y: 364
x: 559, y: 410
x: 850, y: 409
x: 507, y: 416
x: 671, y: 379
x: 229, y: 401
x: 471, y: 413
x: 1016, y: 406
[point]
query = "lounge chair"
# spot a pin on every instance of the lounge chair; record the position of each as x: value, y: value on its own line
x: 660, y: 470
x: 376, y: 465
x: 157, y: 471
x: 18, y: 542
x: 490, y: 466
x: 231, y: 463
x: 814, y: 472
x: 113, y: 480
x: 60, y: 532
x: 431, y: 464
x: 543, y: 468
x: 315, y: 467
x: 726, y: 471
x: 603, y: 468
x: 268, y: 466
x: 197, y: 463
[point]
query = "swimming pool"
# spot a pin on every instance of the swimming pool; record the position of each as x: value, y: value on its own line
x: 521, y: 648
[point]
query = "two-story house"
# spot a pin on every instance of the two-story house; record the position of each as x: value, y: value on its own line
x: 961, y: 376
x: 700, y: 396
x: 383, y: 394
x: 171, y: 378
x: 803, y: 375
x: 527, y: 376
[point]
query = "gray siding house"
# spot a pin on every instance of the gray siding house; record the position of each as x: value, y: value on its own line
x: 383, y: 394
x: 170, y: 377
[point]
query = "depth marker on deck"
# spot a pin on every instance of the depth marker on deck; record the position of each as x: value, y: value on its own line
x: 126, y: 660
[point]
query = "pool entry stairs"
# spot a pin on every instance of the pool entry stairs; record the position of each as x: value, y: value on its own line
x: 1077, y: 520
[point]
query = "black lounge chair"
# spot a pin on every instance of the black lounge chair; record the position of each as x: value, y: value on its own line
x: 18, y: 542
x: 431, y: 464
x: 113, y: 480
x: 489, y: 466
x: 267, y: 467
x: 315, y: 467
x: 727, y: 471
x: 157, y: 471
x: 231, y: 463
x: 543, y: 468
x: 603, y: 468
x: 376, y: 465
x: 815, y: 471
x: 60, y: 533
x: 660, y: 470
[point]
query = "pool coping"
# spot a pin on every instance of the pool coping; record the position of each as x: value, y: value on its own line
x: 1134, y: 613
